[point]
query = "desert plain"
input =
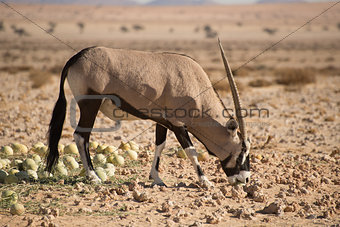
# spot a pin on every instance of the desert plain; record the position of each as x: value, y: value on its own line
x: 295, y: 152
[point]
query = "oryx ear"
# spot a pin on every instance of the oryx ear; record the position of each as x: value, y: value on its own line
x: 232, y: 126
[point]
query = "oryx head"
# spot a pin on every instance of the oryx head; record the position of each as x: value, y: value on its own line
x: 236, y: 165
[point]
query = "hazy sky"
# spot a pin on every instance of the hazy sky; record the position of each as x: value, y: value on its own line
x: 236, y: 1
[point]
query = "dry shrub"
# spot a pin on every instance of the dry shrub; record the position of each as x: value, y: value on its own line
x: 222, y: 85
x: 15, y: 69
x: 52, y: 27
x: 294, y: 76
x: 138, y: 27
x: 270, y: 31
x: 260, y: 67
x: 56, y: 69
x: 241, y: 72
x: 220, y: 71
x: 209, y: 32
x: 2, y: 27
x: 330, y: 59
x: 214, y: 60
x: 330, y: 70
x: 215, y: 71
x: 124, y: 29
x: 259, y: 83
x: 19, y: 31
x: 81, y: 26
x: 39, y: 77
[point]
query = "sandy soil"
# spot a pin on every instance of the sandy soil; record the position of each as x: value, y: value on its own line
x: 295, y: 150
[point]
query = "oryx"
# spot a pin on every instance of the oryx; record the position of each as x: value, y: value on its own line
x: 151, y: 81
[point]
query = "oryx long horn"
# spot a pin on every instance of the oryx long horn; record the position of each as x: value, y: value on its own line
x: 234, y: 92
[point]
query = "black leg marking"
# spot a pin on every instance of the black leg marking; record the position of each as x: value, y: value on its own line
x: 87, y: 152
x: 88, y: 112
x: 199, y: 171
x: 182, y: 137
x: 160, y: 134
x: 157, y: 164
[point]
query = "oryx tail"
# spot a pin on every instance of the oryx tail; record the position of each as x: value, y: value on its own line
x: 56, y: 124
x: 58, y: 117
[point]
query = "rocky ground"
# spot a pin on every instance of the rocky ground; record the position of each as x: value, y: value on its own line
x: 295, y: 151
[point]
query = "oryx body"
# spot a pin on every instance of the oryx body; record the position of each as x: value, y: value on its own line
x: 163, y: 87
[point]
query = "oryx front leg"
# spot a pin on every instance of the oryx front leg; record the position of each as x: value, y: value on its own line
x: 184, y: 139
x: 88, y: 112
x: 160, y: 144
x: 192, y: 154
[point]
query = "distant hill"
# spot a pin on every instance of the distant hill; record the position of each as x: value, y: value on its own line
x: 279, y: 1
x: 81, y: 2
x: 117, y: 2
x: 181, y: 2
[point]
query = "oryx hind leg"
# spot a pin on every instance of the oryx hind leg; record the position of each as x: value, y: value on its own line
x: 160, y: 144
x: 88, y: 112
x: 184, y: 139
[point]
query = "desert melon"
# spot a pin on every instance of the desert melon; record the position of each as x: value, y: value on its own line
x: 71, y: 149
x: 17, y: 209
x: 30, y: 164
x: 6, y: 150
x: 19, y: 148
x: 132, y: 154
x: 99, y: 159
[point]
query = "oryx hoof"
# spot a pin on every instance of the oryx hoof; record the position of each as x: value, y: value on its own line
x: 206, y: 184
x: 161, y: 184
x: 94, y: 178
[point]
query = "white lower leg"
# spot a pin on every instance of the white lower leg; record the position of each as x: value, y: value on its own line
x: 89, y: 173
x: 155, y: 164
x: 192, y: 154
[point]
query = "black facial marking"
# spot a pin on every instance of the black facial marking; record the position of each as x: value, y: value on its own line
x: 199, y: 170
x: 229, y: 171
x: 157, y: 164
x: 238, y: 167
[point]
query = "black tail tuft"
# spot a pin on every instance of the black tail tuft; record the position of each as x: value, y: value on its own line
x: 56, y: 124
x: 55, y: 129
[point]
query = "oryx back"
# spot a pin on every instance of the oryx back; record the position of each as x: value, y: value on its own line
x: 145, y: 80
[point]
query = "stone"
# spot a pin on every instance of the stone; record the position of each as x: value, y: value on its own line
x: 245, y: 213
x: 140, y: 197
x: 212, y: 219
x: 274, y: 208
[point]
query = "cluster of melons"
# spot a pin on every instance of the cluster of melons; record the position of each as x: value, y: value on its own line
x: 107, y: 157
x: 31, y: 168
x: 114, y: 155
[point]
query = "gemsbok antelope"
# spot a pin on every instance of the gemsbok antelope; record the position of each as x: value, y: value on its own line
x: 151, y: 81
